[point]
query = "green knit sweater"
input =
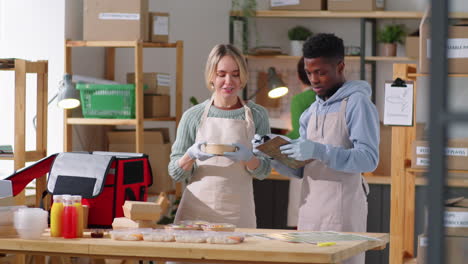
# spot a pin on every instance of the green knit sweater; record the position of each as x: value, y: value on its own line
x: 299, y: 103
x: 187, y: 132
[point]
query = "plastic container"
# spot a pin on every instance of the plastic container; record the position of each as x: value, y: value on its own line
x: 56, y: 213
x: 79, y: 214
x: 219, y: 227
x: 159, y: 235
x: 182, y: 227
x: 129, y: 234
x: 30, y: 223
x: 189, y: 236
x: 224, y: 237
x: 69, y: 218
x: 107, y: 100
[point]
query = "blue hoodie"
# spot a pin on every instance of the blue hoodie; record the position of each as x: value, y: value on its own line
x: 362, y: 121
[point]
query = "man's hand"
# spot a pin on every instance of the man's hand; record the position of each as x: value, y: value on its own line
x: 299, y: 149
x: 242, y: 153
x: 195, y: 152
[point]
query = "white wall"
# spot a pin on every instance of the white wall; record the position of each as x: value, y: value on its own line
x: 32, y: 30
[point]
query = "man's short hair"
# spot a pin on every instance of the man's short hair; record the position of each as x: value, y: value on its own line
x: 324, y: 45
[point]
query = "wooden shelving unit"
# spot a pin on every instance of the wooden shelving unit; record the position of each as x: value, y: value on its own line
x: 20, y: 156
x: 347, y: 58
x: 405, y: 179
x: 139, y: 120
x: 337, y: 14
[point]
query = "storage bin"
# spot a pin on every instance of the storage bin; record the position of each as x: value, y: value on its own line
x: 107, y: 100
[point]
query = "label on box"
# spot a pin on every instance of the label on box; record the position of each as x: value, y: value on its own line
x: 422, y: 161
x: 161, y: 25
x: 456, y: 48
x: 119, y: 16
x: 423, y: 241
x: 379, y: 3
x: 284, y: 2
x: 460, y: 152
x: 163, y: 79
x: 456, y: 219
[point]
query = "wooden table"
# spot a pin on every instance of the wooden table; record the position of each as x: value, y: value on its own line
x: 253, y: 249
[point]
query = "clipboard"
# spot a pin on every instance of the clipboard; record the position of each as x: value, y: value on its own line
x: 398, y: 103
x: 272, y: 149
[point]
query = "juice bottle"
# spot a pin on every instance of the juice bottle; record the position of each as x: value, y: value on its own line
x: 79, y: 214
x: 56, y: 217
x: 69, y: 218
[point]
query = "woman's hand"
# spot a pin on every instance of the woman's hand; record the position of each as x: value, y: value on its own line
x: 195, y: 152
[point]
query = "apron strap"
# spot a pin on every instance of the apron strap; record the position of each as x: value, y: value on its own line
x: 343, y: 105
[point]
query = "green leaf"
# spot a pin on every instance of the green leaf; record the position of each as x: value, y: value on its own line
x: 299, y: 33
x: 391, y: 34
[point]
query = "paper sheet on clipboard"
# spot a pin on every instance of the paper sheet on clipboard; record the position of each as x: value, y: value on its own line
x: 398, y: 105
x: 272, y: 149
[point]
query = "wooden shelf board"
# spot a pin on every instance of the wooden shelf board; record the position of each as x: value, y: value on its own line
x: 427, y: 74
x: 169, y: 118
x: 335, y: 14
x: 383, y: 58
x: 368, y: 58
x: 117, y: 44
x: 100, y: 121
x: 9, y: 157
x: 7, y: 69
x: 451, y: 181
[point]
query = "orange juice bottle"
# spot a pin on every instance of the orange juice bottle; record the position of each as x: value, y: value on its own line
x: 69, y: 218
x: 79, y: 214
x: 56, y: 217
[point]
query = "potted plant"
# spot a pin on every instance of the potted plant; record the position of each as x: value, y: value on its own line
x: 297, y: 35
x: 390, y: 35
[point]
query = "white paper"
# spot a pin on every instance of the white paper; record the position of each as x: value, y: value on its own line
x: 284, y: 2
x: 163, y: 79
x: 459, y: 152
x: 119, y: 16
x: 456, y: 219
x: 423, y: 242
x: 422, y: 161
x: 161, y: 25
x: 379, y: 3
x: 398, y: 109
x: 6, y: 189
x: 456, y: 48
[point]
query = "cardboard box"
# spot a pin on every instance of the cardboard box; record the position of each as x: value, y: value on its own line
x: 156, y: 145
x: 356, y: 5
x: 412, y: 46
x: 157, y: 82
x: 126, y: 223
x: 157, y: 105
x: 457, y: 48
x: 135, y: 210
x: 456, y: 153
x: 159, y: 27
x: 455, y: 249
x: 163, y: 202
x: 115, y: 20
x: 299, y: 5
x: 456, y: 221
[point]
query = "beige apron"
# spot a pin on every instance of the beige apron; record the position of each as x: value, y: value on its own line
x: 220, y: 190
x: 332, y: 200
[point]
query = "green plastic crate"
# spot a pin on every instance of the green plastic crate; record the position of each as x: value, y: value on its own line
x: 107, y: 100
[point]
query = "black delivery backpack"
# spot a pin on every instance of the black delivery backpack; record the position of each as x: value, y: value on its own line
x: 105, y: 180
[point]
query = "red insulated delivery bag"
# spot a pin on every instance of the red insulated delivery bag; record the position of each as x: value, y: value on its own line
x: 105, y: 180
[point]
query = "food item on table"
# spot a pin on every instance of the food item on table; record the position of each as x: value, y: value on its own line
x: 190, y: 236
x: 219, y: 227
x: 225, y: 238
x: 97, y: 233
x: 182, y: 226
x: 128, y: 234
x: 159, y: 235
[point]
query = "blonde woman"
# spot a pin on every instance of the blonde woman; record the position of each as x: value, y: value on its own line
x: 220, y: 187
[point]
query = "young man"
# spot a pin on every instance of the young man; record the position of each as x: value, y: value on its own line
x: 340, y: 132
